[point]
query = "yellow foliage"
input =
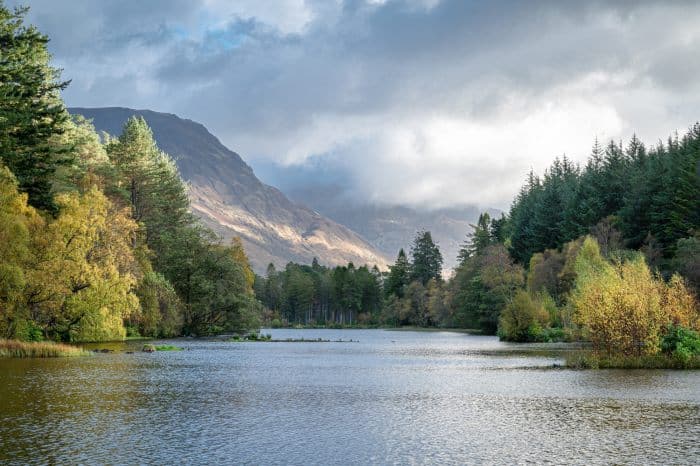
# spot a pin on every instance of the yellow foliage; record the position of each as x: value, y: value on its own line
x: 623, y: 307
x: 241, y: 258
x: 16, y: 220
x: 521, y: 317
x: 680, y: 304
x: 80, y: 283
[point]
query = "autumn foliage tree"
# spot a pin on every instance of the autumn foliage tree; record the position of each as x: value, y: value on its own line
x: 623, y: 307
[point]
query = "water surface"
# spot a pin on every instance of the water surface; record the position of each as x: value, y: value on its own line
x: 393, y: 397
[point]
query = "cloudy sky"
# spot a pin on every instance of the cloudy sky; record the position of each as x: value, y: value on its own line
x: 420, y: 102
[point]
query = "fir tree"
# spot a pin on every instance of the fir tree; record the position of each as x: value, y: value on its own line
x: 399, y: 276
x: 427, y: 259
x: 31, y: 111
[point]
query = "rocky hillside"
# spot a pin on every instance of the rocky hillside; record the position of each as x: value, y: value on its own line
x: 230, y: 199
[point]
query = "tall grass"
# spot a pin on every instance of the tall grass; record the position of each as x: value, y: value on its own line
x: 592, y: 360
x: 45, y: 349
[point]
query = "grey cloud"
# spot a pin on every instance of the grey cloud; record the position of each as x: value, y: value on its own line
x: 357, y: 84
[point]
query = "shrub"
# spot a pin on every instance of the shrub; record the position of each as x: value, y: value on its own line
x: 276, y: 323
x: 623, y: 307
x: 620, y: 306
x: 161, y: 309
x: 681, y: 343
x: 523, y: 319
x: 593, y: 360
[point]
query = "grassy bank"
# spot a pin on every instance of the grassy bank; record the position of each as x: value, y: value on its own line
x: 591, y: 360
x: 150, y: 348
x: 45, y: 349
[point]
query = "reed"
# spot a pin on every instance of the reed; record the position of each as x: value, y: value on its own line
x: 44, y: 349
x: 592, y: 360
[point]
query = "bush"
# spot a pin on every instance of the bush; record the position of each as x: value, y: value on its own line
x: 161, y: 309
x: 168, y: 348
x: 276, y: 323
x: 620, y: 306
x: 523, y: 319
x: 624, y: 307
x: 681, y: 343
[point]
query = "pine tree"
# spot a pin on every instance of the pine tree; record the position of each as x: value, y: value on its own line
x: 522, y: 219
x: 399, y: 276
x: 31, y: 111
x: 477, y: 240
x: 427, y: 259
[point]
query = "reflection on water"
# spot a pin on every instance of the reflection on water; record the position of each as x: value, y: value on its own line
x: 393, y: 397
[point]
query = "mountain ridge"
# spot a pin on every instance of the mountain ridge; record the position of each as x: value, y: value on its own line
x: 392, y: 227
x: 226, y: 194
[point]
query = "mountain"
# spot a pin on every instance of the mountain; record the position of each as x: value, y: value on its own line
x: 389, y: 228
x: 230, y: 199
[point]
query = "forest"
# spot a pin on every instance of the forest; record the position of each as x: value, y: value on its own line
x: 607, y: 253
x: 96, y: 237
x: 98, y: 243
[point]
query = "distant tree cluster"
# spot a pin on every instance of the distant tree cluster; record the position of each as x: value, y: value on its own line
x: 319, y: 295
x: 347, y: 295
x: 96, y: 237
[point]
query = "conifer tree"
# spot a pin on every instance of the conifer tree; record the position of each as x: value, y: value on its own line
x: 477, y: 240
x: 31, y: 111
x: 399, y: 276
x: 427, y: 259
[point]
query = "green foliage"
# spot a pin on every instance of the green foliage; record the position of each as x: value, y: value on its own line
x: 31, y: 111
x: 483, y: 286
x: 109, y: 239
x: 148, y: 180
x: 523, y: 319
x: 593, y: 360
x: 214, y: 283
x: 318, y: 295
x: 168, y: 348
x: 399, y: 276
x: 478, y: 240
x: 161, y: 309
x: 687, y: 260
x: 681, y: 343
x: 426, y: 259
x: 624, y: 197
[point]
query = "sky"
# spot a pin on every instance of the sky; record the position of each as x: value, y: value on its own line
x: 427, y: 103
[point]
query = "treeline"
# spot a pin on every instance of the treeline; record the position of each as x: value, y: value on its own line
x: 608, y: 253
x: 629, y: 197
x: 318, y: 295
x: 96, y: 237
x: 410, y: 294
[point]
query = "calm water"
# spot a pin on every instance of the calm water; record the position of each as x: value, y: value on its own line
x: 391, y: 398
